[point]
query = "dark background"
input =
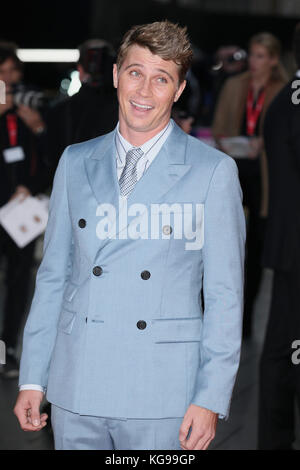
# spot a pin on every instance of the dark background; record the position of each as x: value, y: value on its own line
x: 65, y: 24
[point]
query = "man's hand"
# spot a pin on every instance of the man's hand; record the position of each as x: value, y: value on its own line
x: 31, y: 118
x: 27, y: 410
x: 203, y: 422
x: 21, y: 191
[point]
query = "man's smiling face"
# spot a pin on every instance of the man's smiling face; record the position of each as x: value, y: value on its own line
x: 147, y: 87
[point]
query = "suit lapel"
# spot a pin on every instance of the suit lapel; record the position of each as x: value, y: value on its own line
x: 102, y: 173
x: 165, y: 171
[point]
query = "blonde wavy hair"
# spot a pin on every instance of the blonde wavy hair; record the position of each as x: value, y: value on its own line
x: 273, y: 46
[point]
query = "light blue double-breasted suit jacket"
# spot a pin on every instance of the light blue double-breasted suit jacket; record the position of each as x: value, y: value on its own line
x: 81, y: 339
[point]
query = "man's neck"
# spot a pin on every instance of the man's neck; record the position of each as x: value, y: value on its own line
x: 139, y: 138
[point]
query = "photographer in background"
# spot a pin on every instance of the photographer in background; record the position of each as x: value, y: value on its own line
x: 23, y: 172
x: 229, y: 60
x: 91, y: 112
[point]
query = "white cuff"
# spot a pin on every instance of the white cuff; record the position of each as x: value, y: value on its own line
x: 39, y: 388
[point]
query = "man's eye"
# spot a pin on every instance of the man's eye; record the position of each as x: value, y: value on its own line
x: 162, y: 80
x: 134, y: 73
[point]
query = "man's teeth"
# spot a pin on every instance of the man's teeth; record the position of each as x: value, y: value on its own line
x: 143, y: 106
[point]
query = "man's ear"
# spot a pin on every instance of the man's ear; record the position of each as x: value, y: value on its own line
x: 179, y: 91
x: 115, y: 75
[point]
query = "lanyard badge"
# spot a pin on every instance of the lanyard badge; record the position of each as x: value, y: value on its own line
x: 253, y: 111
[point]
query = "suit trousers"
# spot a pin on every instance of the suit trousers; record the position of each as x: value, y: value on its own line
x: 17, y: 281
x: 77, y: 432
x: 279, y: 387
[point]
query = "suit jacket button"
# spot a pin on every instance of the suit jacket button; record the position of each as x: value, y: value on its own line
x: 145, y: 275
x: 82, y: 223
x: 167, y: 229
x: 97, y: 270
x: 141, y: 324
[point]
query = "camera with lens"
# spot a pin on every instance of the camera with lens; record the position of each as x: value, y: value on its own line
x: 23, y: 95
x: 237, y: 56
x: 222, y: 62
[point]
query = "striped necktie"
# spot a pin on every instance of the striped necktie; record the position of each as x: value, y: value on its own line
x: 128, y: 176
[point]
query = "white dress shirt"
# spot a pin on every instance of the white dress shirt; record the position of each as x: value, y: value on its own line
x: 150, y: 149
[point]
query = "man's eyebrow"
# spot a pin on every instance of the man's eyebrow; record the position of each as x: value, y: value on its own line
x: 159, y: 70
x: 169, y: 75
x: 133, y: 65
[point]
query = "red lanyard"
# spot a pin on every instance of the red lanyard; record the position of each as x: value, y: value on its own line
x: 253, y: 112
x: 11, y: 120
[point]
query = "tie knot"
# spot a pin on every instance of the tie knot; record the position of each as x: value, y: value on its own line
x: 133, y: 155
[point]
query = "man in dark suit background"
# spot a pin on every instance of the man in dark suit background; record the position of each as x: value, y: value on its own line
x: 279, y: 377
x: 91, y: 112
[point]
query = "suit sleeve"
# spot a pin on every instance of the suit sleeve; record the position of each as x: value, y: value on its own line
x: 223, y: 282
x: 40, y: 329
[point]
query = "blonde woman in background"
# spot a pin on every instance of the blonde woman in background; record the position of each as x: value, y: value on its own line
x: 241, y: 109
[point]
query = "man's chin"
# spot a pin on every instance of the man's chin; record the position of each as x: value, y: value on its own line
x: 140, y: 125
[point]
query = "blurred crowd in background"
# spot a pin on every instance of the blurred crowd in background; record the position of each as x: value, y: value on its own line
x: 232, y: 92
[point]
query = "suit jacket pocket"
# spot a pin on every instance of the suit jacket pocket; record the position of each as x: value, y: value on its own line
x: 177, y: 330
x: 66, y: 321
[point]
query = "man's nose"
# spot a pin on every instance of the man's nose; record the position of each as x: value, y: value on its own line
x: 145, y: 88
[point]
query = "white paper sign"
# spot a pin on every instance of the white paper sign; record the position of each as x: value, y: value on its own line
x: 13, y: 154
x: 24, y: 220
x: 238, y: 147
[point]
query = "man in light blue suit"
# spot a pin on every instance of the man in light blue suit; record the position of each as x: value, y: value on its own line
x: 140, y: 221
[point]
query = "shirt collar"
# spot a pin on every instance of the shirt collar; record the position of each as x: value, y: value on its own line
x: 123, y: 146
